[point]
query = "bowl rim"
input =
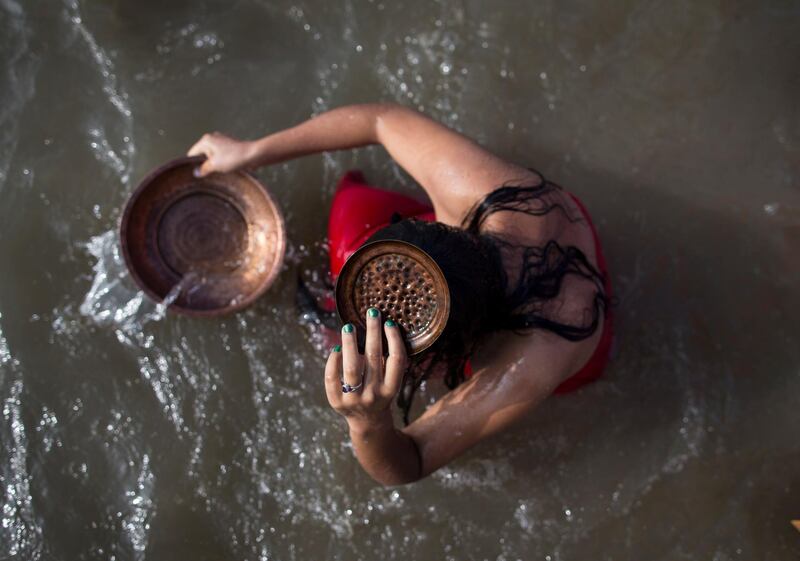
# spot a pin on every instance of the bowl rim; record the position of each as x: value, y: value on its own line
x: 268, y: 280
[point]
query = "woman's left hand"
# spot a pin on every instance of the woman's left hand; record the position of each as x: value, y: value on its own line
x: 375, y: 380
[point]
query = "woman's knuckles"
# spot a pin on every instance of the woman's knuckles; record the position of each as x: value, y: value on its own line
x: 374, y: 357
x: 368, y: 399
x: 387, y: 392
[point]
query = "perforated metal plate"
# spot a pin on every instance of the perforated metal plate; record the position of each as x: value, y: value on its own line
x: 403, y: 282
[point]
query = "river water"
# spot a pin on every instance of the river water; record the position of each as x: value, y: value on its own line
x: 128, y: 433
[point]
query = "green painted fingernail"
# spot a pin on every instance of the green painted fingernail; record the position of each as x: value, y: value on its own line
x: 373, y: 312
x: 390, y: 323
x: 348, y: 328
x: 336, y: 349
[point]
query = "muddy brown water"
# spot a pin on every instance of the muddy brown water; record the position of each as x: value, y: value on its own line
x: 130, y: 434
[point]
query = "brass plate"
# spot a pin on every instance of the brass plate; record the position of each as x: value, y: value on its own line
x: 216, y: 243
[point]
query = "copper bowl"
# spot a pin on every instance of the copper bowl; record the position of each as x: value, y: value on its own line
x: 403, y: 282
x: 206, y: 246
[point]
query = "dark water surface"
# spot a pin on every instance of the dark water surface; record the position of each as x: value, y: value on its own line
x: 128, y: 434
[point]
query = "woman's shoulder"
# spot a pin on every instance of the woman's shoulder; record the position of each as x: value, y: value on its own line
x: 538, y: 357
x: 546, y: 236
x: 538, y: 215
x: 544, y: 355
x: 549, y: 222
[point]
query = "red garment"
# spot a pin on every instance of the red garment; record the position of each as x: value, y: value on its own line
x: 359, y: 210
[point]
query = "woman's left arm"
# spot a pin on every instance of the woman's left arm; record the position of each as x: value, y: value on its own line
x: 388, y: 455
x: 522, y: 372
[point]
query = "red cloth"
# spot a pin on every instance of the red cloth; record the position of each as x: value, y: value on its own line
x: 596, y: 365
x: 359, y: 210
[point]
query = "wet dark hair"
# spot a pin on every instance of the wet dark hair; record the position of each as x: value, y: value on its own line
x: 481, y: 299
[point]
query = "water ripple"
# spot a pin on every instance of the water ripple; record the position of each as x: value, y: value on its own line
x: 17, y: 76
x: 20, y: 529
x: 116, y: 95
x: 136, y: 523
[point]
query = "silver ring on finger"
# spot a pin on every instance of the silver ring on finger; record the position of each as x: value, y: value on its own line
x: 347, y: 388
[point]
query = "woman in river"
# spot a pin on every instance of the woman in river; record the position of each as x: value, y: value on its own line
x: 528, y: 284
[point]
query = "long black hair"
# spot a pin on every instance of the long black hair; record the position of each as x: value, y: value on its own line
x: 482, y: 300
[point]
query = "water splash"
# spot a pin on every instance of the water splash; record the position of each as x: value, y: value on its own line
x: 47, y: 429
x: 160, y: 376
x: 6, y: 360
x: 106, y: 155
x: 205, y: 42
x: 425, y: 72
x: 112, y: 301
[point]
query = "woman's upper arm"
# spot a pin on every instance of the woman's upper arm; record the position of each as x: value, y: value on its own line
x: 494, y: 398
x: 454, y: 170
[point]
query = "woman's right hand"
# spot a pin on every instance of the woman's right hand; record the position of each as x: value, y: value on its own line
x: 222, y: 153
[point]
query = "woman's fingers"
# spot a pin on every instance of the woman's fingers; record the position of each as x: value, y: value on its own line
x: 205, y: 168
x: 377, y: 384
x: 200, y: 147
x: 396, y: 362
x: 373, y: 348
x: 352, y: 360
x: 203, y: 148
x: 333, y: 386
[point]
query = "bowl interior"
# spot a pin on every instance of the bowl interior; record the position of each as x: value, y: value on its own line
x: 209, y: 246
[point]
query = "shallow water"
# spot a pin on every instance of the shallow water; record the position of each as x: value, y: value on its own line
x: 128, y: 433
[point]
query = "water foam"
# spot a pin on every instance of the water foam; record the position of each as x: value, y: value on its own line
x: 112, y: 301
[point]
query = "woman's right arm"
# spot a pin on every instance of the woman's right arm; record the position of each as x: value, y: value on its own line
x: 453, y: 169
x: 347, y: 127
